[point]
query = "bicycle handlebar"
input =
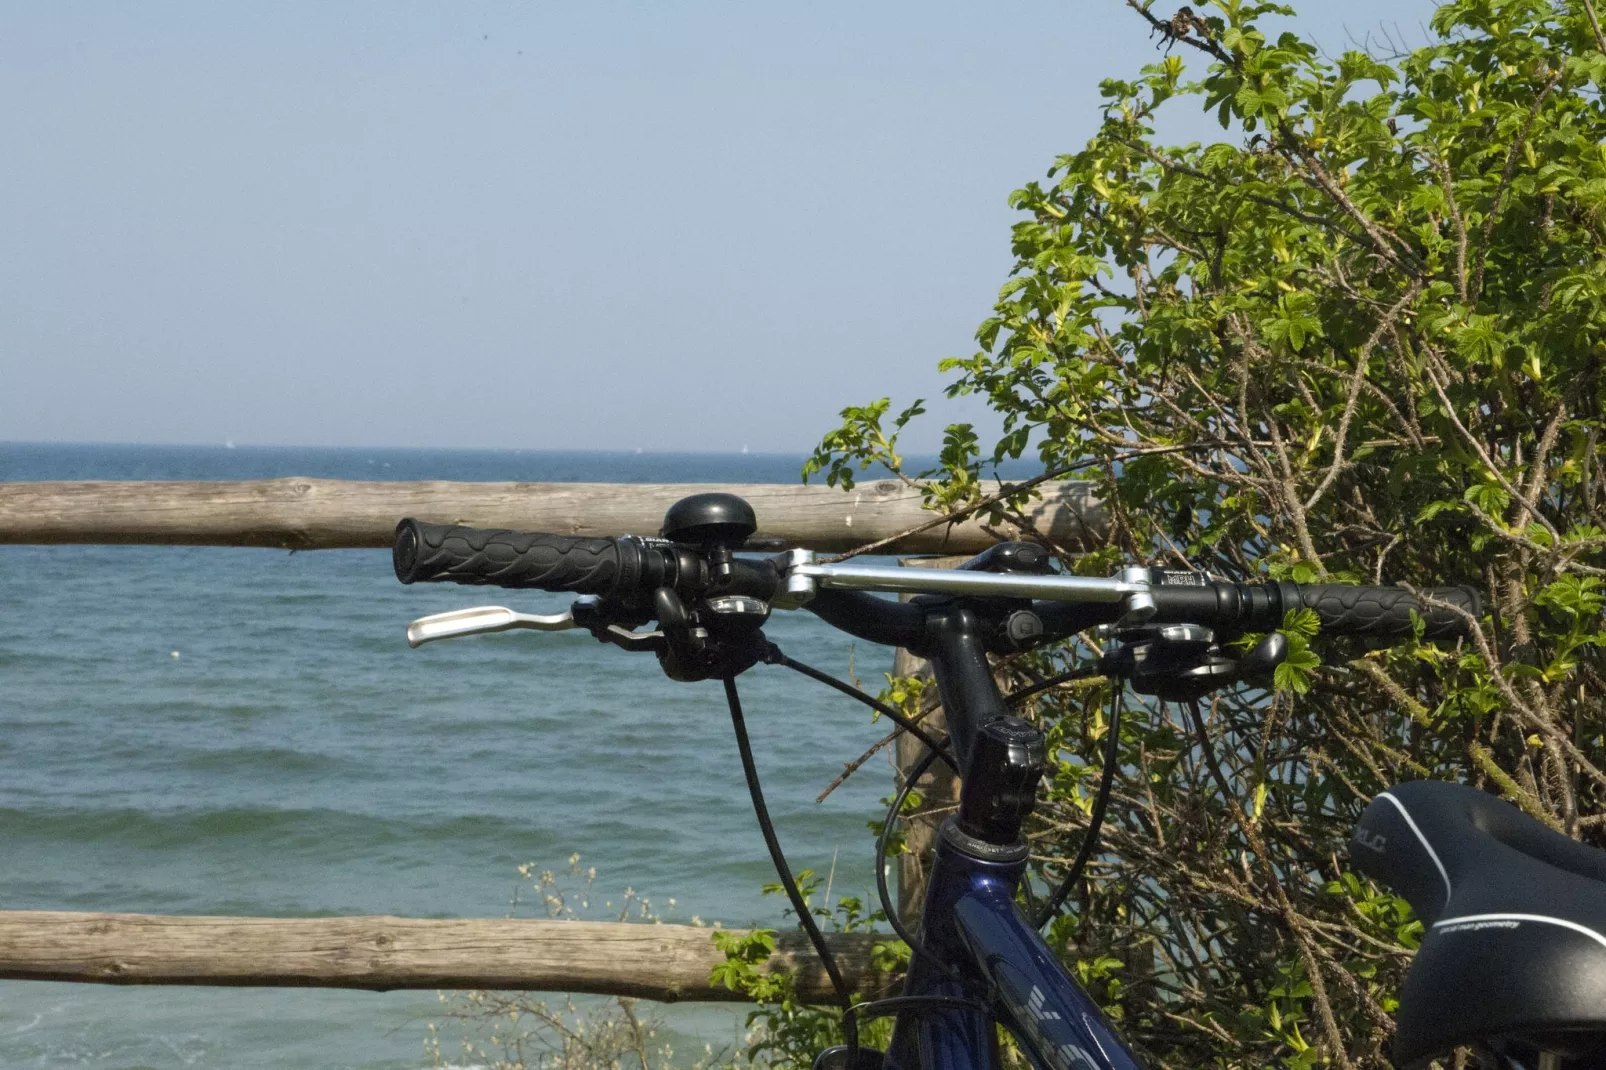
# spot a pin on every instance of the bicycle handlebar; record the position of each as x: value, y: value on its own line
x: 1342, y: 609
x: 433, y: 553
x: 629, y: 569
x: 1387, y: 610
x: 1069, y: 604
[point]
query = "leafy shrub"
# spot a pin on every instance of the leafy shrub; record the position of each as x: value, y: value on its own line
x: 783, y: 1031
x: 1360, y: 339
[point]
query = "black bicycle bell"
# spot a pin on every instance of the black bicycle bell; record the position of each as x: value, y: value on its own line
x: 710, y: 520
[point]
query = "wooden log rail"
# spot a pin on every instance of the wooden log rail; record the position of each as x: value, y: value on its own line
x: 668, y: 963
x: 323, y: 514
x: 660, y: 962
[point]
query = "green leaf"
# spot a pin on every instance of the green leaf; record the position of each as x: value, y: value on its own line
x: 1302, y: 622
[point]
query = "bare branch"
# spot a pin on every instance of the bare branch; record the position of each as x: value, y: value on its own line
x: 1258, y: 198
x: 1594, y: 24
x: 1460, y: 225
x: 1385, y: 243
x: 1362, y: 359
x: 1477, y: 447
x: 1475, y: 289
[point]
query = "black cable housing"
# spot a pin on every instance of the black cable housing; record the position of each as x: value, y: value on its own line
x: 881, y: 1008
x: 888, y: 907
x: 850, y: 1028
x: 942, y: 750
x: 1053, y: 681
x: 1112, y: 759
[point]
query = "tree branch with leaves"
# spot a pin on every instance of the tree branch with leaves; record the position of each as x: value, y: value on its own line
x: 1360, y: 337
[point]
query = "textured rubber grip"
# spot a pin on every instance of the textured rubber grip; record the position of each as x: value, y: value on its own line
x: 1386, y: 611
x: 436, y: 553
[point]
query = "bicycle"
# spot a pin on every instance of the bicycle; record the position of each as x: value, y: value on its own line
x: 1528, y: 899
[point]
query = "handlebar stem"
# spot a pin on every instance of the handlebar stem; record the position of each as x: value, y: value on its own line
x: 955, y: 642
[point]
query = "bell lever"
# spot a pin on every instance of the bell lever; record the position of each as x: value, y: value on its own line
x: 482, y: 619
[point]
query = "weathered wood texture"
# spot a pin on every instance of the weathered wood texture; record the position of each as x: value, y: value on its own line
x: 324, y: 514
x: 661, y: 962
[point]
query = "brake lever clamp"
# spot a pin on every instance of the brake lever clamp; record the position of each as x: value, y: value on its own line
x: 1173, y: 662
x: 1183, y: 662
x: 722, y: 636
x: 719, y: 636
x: 797, y: 588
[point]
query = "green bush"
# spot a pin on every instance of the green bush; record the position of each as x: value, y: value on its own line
x: 784, y: 1031
x: 1360, y: 339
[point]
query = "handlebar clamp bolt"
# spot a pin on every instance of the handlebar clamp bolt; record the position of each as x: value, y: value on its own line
x: 1022, y: 627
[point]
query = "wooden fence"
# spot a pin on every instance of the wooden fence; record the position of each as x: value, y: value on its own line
x: 661, y: 962
x: 650, y: 961
x: 326, y: 514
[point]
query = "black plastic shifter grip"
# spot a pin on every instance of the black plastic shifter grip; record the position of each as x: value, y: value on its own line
x: 1386, y: 611
x: 435, y: 553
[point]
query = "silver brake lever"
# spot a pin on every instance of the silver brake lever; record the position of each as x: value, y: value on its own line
x: 482, y: 619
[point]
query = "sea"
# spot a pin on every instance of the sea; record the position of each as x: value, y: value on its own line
x: 206, y: 730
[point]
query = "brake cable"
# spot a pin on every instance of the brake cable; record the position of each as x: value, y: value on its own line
x: 887, y: 906
x: 941, y: 749
x: 1053, y: 681
x: 1101, y: 801
x: 935, y: 749
x: 850, y: 1010
x: 850, y: 1027
x: 881, y: 1008
x: 1112, y: 759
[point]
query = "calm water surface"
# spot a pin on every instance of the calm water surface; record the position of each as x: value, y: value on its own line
x: 198, y: 730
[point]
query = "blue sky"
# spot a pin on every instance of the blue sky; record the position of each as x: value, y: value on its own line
x: 662, y: 226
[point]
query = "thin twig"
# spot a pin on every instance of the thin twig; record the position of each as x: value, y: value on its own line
x: 1362, y: 360
x: 1285, y: 207
x: 1594, y: 24
x: 849, y: 768
x: 1475, y: 288
x: 1483, y: 454
x: 1004, y: 493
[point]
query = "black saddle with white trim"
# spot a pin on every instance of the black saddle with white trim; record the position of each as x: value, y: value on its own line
x: 1516, y: 913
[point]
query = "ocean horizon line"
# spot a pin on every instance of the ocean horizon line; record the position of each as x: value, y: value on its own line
x: 285, y: 446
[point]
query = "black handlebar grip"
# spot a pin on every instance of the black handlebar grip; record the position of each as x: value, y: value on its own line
x: 1386, y: 611
x: 434, y: 553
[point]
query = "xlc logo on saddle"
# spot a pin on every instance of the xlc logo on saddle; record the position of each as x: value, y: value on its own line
x: 1371, y: 840
x: 1518, y: 906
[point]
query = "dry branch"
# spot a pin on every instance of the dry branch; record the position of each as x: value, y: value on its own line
x: 662, y: 962
x: 326, y: 514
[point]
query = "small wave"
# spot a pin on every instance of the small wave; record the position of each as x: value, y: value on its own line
x: 300, y: 598
x: 319, y: 831
x: 264, y: 761
x: 28, y: 1026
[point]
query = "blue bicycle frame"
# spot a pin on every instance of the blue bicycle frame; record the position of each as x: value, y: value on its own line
x: 972, y: 925
x: 971, y: 922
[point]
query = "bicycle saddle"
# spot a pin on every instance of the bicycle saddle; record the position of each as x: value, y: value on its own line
x: 1516, y: 913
